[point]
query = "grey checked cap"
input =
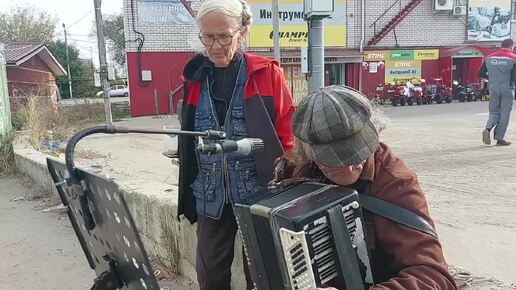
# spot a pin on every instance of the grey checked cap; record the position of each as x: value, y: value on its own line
x: 336, y: 121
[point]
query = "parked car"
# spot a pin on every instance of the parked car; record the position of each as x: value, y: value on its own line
x: 116, y: 91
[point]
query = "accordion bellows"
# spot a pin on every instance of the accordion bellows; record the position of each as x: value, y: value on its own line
x: 293, y: 238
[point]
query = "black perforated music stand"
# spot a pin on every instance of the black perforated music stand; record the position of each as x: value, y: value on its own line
x: 110, y: 239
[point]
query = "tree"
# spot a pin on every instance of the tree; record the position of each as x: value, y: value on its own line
x: 114, y: 34
x: 26, y: 23
x: 82, y: 72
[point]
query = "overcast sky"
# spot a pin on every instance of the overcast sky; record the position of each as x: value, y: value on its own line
x: 78, y: 15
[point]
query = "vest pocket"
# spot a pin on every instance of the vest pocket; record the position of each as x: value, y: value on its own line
x: 202, y: 120
x: 207, y: 189
x: 246, y: 178
x: 204, y: 187
x: 238, y: 122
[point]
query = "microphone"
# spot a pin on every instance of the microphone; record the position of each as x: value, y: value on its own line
x: 245, y: 147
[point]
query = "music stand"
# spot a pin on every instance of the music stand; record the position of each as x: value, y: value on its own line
x: 99, y: 214
x: 111, y: 243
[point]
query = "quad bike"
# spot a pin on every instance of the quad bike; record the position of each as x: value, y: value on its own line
x: 439, y: 91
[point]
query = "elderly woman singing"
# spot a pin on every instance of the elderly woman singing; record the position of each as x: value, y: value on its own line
x: 244, y: 95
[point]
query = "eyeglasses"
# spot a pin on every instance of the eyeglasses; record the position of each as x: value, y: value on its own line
x: 224, y: 40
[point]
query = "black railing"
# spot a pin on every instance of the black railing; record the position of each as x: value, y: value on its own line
x: 384, y: 13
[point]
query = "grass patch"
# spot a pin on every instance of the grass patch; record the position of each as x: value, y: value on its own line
x: 47, y: 123
x: 7, y: 163
x: 166, y: 255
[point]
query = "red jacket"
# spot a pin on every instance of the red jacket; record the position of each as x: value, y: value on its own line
x: 268, y: 108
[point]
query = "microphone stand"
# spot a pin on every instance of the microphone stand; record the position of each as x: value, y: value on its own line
x: 74, y: 179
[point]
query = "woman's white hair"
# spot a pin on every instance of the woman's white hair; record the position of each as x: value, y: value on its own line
x: 238, y: 10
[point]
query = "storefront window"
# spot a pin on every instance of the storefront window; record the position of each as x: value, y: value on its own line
x: 333, y: 74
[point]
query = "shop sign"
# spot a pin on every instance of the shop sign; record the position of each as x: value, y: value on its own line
x: 293, y: 29
x: 468, y: 52
x: 375, y: 55
x: 419, y: 54
x: 489, y: 20
x: 401, y: 55
x: 402, y: 71
x: 155, y: 12
x: 297, y: 82
x: 426, y: 54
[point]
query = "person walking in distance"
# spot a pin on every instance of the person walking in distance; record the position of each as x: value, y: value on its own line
x: 500, y: 69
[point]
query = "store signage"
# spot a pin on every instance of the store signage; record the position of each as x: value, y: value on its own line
x: 375, y: 55
x: 419, y: 54
x: 426, y: 54
x: 297, y: 82
x: 402, y: 71
x: 468, y: 52
x: 401, y: 54
x: 293, y: 29
x: 171, y: 12
x: 489, y: 20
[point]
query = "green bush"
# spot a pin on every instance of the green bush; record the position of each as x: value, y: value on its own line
x: 7, y: 163
x: 18, y: 120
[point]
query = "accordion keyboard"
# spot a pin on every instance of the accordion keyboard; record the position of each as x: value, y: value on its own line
x: 300, y: 264
x: 298, y: 261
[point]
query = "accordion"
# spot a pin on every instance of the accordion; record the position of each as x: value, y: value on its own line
x: 304, y: 237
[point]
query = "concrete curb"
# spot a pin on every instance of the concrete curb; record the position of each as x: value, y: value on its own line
x: 153, y: 206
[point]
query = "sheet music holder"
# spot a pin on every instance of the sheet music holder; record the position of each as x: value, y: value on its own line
x: 99, y: 214
x: 108, y: 237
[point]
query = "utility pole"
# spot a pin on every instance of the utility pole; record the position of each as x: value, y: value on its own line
x: 316, y: 48
x: 315, y: 12
x: 275, y: 30
x: 102, y: 59
x: 68, y: 63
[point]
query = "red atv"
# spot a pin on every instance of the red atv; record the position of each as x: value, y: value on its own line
x: 398, y: 96
x: 425, y: 97
x: 379, y: 95
x: 439, y: 91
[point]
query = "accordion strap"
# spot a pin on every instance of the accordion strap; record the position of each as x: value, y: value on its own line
x: 396, y: 213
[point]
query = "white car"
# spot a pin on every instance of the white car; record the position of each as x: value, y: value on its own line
x: 116, y: 91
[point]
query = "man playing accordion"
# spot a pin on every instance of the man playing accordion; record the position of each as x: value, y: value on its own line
x: 336, y: 141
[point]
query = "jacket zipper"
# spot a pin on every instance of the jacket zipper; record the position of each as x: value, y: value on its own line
x: 226, y: 176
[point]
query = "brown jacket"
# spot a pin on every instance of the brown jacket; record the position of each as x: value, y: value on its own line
x: 401, y: 258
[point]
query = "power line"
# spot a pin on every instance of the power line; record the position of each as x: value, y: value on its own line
x: 84, y: 16
x: 82, y: 46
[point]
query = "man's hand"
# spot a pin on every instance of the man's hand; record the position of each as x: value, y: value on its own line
x: 331, y: 288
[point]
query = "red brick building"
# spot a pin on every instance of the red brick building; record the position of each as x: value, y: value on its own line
x: 365, y: 45
x: 31, y: 69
